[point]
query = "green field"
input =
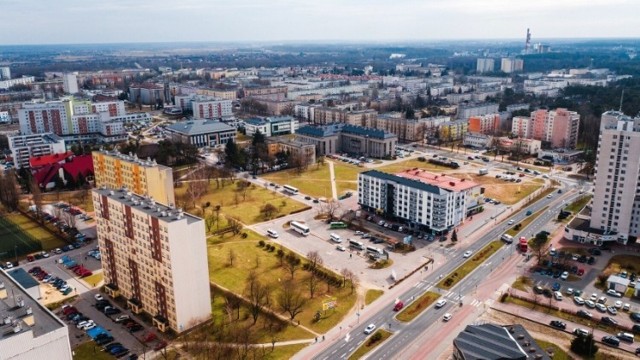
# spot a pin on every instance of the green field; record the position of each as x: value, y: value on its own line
x: 316, y: 180
x: 15, y: 241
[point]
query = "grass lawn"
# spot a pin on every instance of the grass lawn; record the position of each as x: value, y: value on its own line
x: 316, y: 181
x: 249, y: 256
x: 370, y: 344
x: 70, y: 197
x: 578, y: 204
x: 504, y: 191
x: 558, y: 353
x: 617, y: 263
x: 372, y: 295
x: 246, y: 211
x: 346, y: 177
x: 415, y: 308
x: 86, y: 351
x: 413, y: 163
x: 470, y: 265
x: 522, y: 283
x: 35, y: 237
x: 284, y: 352
x: 523, y: 224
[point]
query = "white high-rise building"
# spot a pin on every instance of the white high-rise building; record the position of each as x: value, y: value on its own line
x: 5, y: 73
x: 70, y: 83
x: 511, y: 65
x: 485, y: 65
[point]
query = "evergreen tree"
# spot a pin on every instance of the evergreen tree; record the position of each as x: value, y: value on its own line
x: 454, y: 236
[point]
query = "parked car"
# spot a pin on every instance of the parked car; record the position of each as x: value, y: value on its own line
x: 558, y: 324
x: 608, y: 320
x: 613, y: 293
x: 611, y: 340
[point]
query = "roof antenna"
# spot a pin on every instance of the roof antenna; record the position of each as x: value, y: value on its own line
x: 621, y: 97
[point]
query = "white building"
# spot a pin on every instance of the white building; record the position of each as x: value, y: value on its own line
x: 70, y: 83
x: 30, y: 330
x: 5, y: 73
x: 24, y: 147
x: 155, y: 257
x: 25, y: 80
x: 4, y: 117
x: 522, y: 126
x: 272, y: 126
x: 510, y: 65
x: 477, y: 140
x: 484, y: 65
x: 205, y: 107
x: 432, y: 202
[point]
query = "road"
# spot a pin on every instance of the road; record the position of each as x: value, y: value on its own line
x: 404, y: 334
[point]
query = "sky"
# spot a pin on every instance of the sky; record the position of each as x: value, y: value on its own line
x: 119, y: 21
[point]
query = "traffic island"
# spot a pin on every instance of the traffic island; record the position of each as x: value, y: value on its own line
x: 470, y: 265
x: 415, y: 308
x: 376, y: 339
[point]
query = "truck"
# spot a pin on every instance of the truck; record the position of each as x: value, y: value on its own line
x: 483, y: 172
x: 523, y: 244
x: 398, y: 306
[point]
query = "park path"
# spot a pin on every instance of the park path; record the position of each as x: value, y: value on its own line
x: 334, y: 191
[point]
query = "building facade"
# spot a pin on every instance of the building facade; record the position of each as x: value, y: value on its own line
x: 437, y: 203
x: 115, y: 170
x: 147, y: 94
x: 301, y: 152
x: 272, y: 126
x: 5, y: 73
x: 155, y: 257
x: 202, y: 133
x: 510, y: 65
x: 559, y: 127
x: 485, y: 124
x: 330, y: 139
x: 70, y: 83
x: 476, y: 140
x: 522, y: 126
x: 205, y: 107
x: 467, y: 111
x: 453, y: 130
x: 485, y: 65
x: 24, y: 147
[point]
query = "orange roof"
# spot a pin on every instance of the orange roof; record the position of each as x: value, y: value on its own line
x: 39, y: 161
x: 440, y: 180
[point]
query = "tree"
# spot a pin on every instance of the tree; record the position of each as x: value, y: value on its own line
x: 9, y: 191
x: 315, y: 260
x: 290, y: 300
x: 231, y: 256
x: 216, y: 209
x: 537, y: 245
x: 210, y: 220
x: 584, y: 345
x: 291, y: 264
x: 235, y: 225
x: 312, y: 283
x: 243, y: 188
x: 258, y: 295
x: 454, y: 236
x: 268, y: 210
x: 196, y: 186
x: 329, y: 208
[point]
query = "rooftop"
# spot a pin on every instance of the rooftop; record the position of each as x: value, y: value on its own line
x: 489, y: 341
x: 131, y: 158
x: 22, y: 312
x: 197, y: 127
x: 439, y: 180
x: 147, y: 205
x: 38, y: 161
x: 336, y: 128
x: 47, y: 138
x: 405, y: 181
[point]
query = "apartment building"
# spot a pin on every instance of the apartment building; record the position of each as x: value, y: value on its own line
x: 70, y: 83
x: 408, y: 129
x: 25, y: 80
x: 328, y: 115
x: 477, y: 140
x: 205, y: 107
x: 268, y: 92
x: 467, y: 111
x: 300, y: 151
x: 147, y: 94
x: 271, y: 126
x: 510, y: 65
x: 29, y: 329
x: 485, y: 124
x: 155, y: 257
x: 453, y: 130
x: 559, y: 127
x: 228, y: 94
x: 24, y: 147
x: 522, y: 126
x: 616, y: 204
x: 334, y: 138
x: 484, y: 65
x: 202, y: 133
x: 432, y: 202
x: 115, y: 170
x: 5, y: 73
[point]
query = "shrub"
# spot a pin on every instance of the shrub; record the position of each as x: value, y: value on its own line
x: 261, y: 243
x: 376, y: 337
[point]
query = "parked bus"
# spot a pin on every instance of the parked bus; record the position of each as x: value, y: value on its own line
x: 356, y: 244
x: 290, y: 189
x: 371, y: 250
x: 300, y: 228
x: 337, y: 225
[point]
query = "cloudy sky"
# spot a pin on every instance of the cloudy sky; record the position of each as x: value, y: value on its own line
x: 108, y: 21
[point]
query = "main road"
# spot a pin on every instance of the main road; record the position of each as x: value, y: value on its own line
x: 405, y: 334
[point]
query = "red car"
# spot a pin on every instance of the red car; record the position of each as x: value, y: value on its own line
x: 30, y: 258
x: 580, y: 272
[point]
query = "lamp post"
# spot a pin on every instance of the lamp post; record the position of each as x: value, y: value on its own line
x: 15, y: 251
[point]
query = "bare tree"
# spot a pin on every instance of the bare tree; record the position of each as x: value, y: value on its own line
x: 70, y: 219
x: 330, y: 208
x: 346, y: 275
x: 243, y: 188
x: 268, y: 210
x: 290, y: 300
x: 36, y: 197
x: 312, y: 283
x: 235, y: 225
x: 315, y: 260
x: 216, y: 209
x: 258, y: 295
x: 197, y: 186
x: 9, y: 191
x: 209, y: 220
x: 231, y: 257
x: 292, y: 264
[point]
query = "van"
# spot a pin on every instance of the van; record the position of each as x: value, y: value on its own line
x: 507, y: 238
x: 272, y: 233
x: 625, y: 337
x: 335, y: 238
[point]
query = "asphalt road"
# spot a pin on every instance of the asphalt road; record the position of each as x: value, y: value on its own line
x: 405, y: 333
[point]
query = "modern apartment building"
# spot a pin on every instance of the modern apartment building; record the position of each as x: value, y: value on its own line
x: 272, y: 126
x: 205, y: 107
x: 147, y: 94
x: 5, y: 73
x: 202, y: 133
x: 29, y: 329
x: 24, y: 147
x: 328, y: 115
x: 616, y: 204
x: 467, y: 111
x: 558, y: 128
x: 484, y: 124
x: 155, y: 257
x: 484, y: 65
x: 330, y: 139
x: 424, y: 200
x: 522, y: 127
x: 145, y: 177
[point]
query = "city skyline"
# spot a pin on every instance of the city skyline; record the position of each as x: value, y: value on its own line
x: 72, y: 21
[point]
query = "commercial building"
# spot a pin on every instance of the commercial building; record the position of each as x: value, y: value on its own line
x: 202, y: 133
x: 5, y: 73
x: 476, y: 140
x: 522, y: 146
x: 485, y: 124
x: 70, y: 83
x: 423, y: 200
x: 510, y: 65
x: 484, y: 65
x: 333, y: 138
x: 155, y: 257
x: 302, y: 153
x: 29, y: 330
x: 272, y: 126
x: 558, y: 128
x: 24, y: 147
x: 205, y: 107
x: 496, y: 342
x: 115, y: 170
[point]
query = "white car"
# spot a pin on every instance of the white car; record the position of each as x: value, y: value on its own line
x: 358, y: 232
x: 578, y: 300
x: 440, y: 303
x: 341, y: 248
x: 612, y: 310
x: 549, y: 196
x: 447, y: 317
x: 626, y: 307
x: 590, y: 303
x: 601, y: 307
x: 8, y: 265
x: 369, y: 329
x: 618, y: 304
x: 565, y: 275
x: 557, y: 295
x: 89, y: 326
x: 593, y: 297
x: 569, y: 291
x: 510, y: 222
x: 613, y: 293
x: 467, y: 254
x: 98, y: 297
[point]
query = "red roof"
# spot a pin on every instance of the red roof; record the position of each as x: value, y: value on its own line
x: 440, y: 180
x: 82, y: 164
x: 40, y: 161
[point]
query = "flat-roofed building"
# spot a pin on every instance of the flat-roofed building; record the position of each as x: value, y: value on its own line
x: 271, y: 126
x: 333, y: 138
x: 29, y: 330
x: 202, y: 133
x: 155, y: 257
x: 496, y: 342
x: 115, y: 170
x: 24, y: 147
x: 302, y: 153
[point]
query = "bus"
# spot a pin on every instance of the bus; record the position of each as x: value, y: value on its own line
x: 337, y: 225
x: 300, y: 228
x: 290, y: 189
x: 374, y: 251
x: 356, y: 244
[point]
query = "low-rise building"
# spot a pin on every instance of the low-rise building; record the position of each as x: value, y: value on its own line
x: 301, y: 153
x: 560, y: 156
x: 30, y: 330
x: 523, y: 146
x: 333, y: 138
x: 24, y: 147
x: 476, y: 140
x: 271, y: 126
x: 492, y: 342
x: 202, y: 133
x: 432, y: 202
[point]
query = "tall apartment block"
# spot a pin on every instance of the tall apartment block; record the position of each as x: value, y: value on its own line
x: 28, y: 330
x: 143, y: 177
x: 484, y: 65
x: 155, y: 256
x: 484, y: 124
x: 5, y: 73
x: 557, y: 127
x: 510, y: 65
x: 616, y: 204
